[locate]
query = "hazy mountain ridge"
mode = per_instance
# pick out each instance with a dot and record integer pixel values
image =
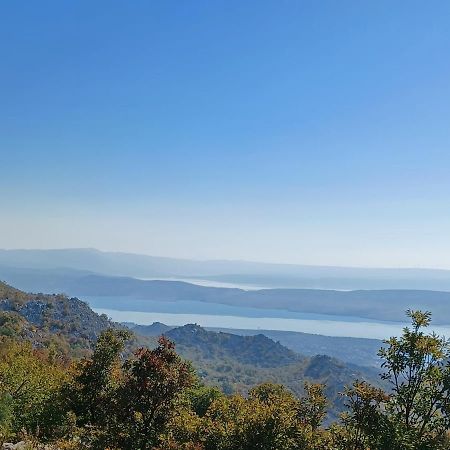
(269, 274)
(371, 304)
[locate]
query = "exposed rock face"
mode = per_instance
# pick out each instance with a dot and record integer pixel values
(43, 318)
(19, 446)
(58, 313)
(34, 312)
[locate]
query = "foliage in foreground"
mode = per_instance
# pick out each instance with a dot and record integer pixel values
(155, 401)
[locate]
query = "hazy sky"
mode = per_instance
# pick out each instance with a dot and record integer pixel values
(295, 131)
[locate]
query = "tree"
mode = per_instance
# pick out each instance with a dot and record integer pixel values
(270, 418)
(29, 381)
(154, 383)
(90, 393)
(201, 398)
(416, 412)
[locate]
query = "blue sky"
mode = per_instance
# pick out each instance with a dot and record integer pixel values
(294, 131)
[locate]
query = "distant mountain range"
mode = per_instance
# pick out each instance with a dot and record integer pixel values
(126, 293)
(242, 272)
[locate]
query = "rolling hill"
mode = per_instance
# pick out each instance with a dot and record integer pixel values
(359, 351)
(237, 363)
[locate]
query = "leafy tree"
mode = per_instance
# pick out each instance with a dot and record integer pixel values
(416, 413)
(29, 381)
(271, 418)
(201, 398)
(91, 391)
(154, 383)
(366, 424)
(313, 407)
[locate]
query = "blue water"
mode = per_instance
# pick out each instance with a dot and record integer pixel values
(145, 312)
(215, 309)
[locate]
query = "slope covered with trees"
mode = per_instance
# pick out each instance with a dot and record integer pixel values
(236, 364)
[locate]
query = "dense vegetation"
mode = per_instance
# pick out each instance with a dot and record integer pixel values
(153, 399)
(236, 364)
(360, 351)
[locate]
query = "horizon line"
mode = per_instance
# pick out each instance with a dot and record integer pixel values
(325, 266)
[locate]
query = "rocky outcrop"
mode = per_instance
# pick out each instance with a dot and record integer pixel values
(22, 445)
(67, 322)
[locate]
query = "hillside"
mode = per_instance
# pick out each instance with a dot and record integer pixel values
(155, 329)
(258, 350)
(359, 351)
(46, 320)
(237, 363)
